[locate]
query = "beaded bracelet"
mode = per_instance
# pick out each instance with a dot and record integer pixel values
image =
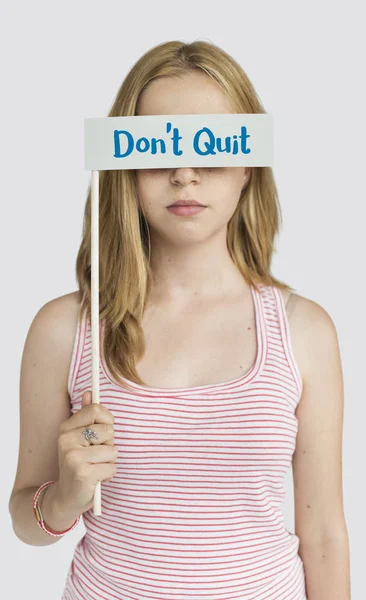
(39, 517)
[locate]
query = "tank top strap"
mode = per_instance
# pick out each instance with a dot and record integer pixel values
(80, 372)
(280, 360)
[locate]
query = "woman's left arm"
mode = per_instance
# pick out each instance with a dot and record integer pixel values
(317, 461)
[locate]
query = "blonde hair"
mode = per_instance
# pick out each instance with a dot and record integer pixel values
(125, 277)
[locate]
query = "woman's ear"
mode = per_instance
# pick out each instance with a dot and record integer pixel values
(247, 176)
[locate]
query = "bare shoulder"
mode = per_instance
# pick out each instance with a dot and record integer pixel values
(317, 460)
(55, 324)
(312, 330)
(65, 303)
(44, 398)
(63, 311)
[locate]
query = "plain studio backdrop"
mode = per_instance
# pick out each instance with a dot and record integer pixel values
(63, 62)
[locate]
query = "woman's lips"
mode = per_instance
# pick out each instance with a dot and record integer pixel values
(186, 211)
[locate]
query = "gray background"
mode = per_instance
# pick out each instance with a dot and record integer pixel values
(63, 62)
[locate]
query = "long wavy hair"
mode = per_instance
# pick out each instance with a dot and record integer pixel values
(125, 276)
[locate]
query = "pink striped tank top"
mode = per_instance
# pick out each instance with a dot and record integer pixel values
(194, 510)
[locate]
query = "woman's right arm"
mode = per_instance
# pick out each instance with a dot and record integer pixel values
(44, 405)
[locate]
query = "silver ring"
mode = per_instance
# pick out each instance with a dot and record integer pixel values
(89, 434)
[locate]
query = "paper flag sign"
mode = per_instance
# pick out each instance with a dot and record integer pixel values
(172, 141)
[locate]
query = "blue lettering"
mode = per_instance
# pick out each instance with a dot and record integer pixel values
(227, 145)
(154, 142)
(139, 144)
(244, 135)
(209, 145)
(117, 146)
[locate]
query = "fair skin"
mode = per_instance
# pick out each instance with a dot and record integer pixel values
(196, 287)
(186, 299)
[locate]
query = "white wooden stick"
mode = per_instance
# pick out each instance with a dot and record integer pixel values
(95, 308)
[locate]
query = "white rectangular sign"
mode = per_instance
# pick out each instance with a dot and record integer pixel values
(173, 141)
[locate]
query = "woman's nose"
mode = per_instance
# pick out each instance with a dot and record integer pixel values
(185, 175)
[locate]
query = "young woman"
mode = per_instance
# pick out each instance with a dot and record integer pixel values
(215, 377)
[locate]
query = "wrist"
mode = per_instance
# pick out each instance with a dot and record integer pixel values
(56, 517)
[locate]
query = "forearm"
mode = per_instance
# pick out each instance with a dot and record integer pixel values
(25, 525)
(327, 569)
